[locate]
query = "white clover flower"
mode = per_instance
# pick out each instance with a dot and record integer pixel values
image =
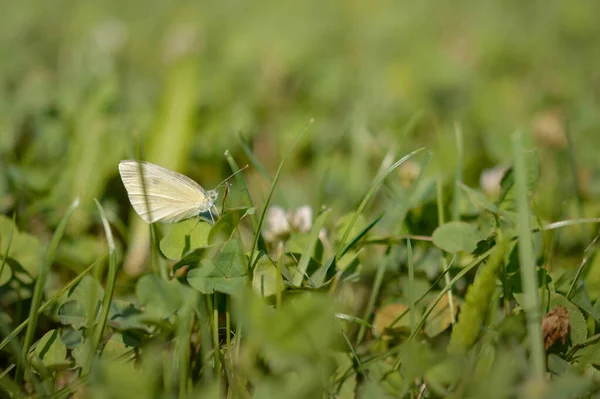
(278, 225)
(490, 180)
(302, 219)
(281, 223)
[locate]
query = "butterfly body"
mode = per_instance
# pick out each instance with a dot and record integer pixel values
(160, 195)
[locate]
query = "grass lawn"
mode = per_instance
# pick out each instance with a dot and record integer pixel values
(414, 211)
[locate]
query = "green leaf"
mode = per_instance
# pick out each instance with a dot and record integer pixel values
(507, 192)
(159, 297)
(478, 199)
(456, 237)
(181, 238)
(264, 279)
(51, 350)
(81, 353)
(226, 225)
(71, 338)
(5, 273)
(576, 319)
(73, 313)
(440, 317)
(24, 249)
(125, 316)
(116, 349)
(226, 273)
(84, 293)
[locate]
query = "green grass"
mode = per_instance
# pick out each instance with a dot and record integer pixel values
(412, 278)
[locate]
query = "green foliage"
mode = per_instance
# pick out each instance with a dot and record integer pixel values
(456, 236)
(477, 302)
(226, 273)
(332, 105)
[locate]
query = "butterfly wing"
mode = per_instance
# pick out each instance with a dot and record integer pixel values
(164, 196)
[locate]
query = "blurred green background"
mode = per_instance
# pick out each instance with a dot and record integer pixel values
(86, 84)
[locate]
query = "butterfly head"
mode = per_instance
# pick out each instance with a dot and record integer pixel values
(212, 196)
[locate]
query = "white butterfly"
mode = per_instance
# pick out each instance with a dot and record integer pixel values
(164, 196)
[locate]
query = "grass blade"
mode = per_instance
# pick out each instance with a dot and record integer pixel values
(110, 285)
(527, 261)
(257, 234)
(459, 172)
(369, 195)
(383, 264)
(253, 160)
(411, 285)
(310, 247)
(184, 335)
(440, 209)
(242, 182)
(38, 291)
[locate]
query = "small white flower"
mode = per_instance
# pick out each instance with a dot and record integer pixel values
(490, 180)
(278, 225)
(302, 219)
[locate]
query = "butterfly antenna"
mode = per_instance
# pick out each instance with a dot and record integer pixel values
(233, 174)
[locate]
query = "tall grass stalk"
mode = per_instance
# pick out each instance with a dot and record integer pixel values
(110, 287)
(441, 221)
(184, 335)
(458, 135)
(38, 290)
(411, 285)
(527, 261)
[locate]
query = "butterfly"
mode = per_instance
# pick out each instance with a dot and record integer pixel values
(163, 195)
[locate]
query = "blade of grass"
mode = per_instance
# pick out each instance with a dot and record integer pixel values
(279, 291)
(215, 335)
(374, 293)
(10, 238)
(309, 249)
(203, 316)
(110, 286)
(459, 172)
(411, 285)
(361, 234)
(527, 262)
(423, 295)
(273, 184)
(444, 290)
(253, 160)
(157, 263)
(566, 223)
(242, 182)
(584, 261)
(184, 336)
(368, 196)
(38, 290)
(440, 209)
